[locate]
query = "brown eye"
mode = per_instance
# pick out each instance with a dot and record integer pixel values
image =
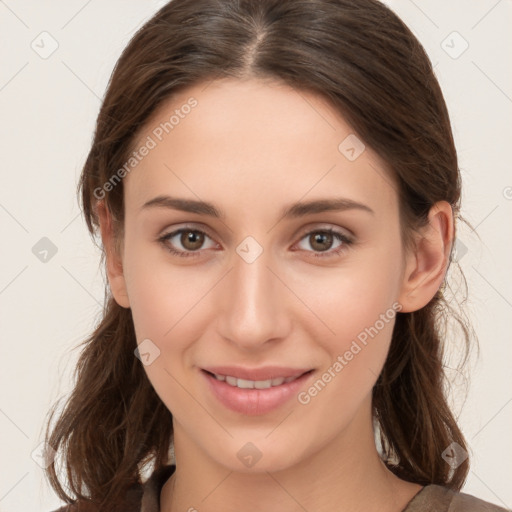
(192, 240)
(186, 242)
(321, 241)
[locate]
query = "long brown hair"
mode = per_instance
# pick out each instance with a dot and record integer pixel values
(362, 58)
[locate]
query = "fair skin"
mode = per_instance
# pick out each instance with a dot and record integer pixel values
(253, 148)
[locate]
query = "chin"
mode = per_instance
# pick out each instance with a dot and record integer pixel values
(258, 455)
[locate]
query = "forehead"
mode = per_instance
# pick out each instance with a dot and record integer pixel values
(253, 143)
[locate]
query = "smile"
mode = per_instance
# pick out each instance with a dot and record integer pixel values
(269, 388)
(253, 384)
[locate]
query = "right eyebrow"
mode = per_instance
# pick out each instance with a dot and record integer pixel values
(185, 205)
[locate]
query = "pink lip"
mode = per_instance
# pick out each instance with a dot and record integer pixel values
(253, 402)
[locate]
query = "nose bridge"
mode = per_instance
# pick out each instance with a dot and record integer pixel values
(253, 305)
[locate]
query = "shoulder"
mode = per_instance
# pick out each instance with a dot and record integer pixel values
(437, 498)
(139, 497)
(78, 506)
(132, 503)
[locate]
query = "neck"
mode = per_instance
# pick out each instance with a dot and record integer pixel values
(347, 474)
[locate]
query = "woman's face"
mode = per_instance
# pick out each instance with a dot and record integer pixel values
(289, 264)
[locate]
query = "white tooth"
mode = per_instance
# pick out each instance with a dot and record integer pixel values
(231, 380)
(262, 384)
(253, 384)
(245, 384)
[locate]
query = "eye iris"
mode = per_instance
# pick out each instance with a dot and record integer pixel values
(192, 240)
(321, 238)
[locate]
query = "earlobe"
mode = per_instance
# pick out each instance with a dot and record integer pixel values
(427, 263)
(114, 263)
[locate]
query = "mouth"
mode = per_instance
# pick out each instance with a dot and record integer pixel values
(268, 389)
(254, 384)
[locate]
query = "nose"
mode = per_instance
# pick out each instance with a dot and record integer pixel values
(253, 304)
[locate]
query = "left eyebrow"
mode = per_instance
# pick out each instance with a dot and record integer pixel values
(296, 210)
(323, 205)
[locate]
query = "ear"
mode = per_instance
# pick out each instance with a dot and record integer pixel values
(113, 256)
(427, 262)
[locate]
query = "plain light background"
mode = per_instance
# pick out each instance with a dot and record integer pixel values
(48, 108)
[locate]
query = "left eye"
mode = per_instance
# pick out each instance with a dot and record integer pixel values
(323, 240)
(192, 241)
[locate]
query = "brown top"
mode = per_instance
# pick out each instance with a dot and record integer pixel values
(431, 498)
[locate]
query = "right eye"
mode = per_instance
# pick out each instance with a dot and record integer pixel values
(191, 240)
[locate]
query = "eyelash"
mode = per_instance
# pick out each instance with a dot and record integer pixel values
(346, 242)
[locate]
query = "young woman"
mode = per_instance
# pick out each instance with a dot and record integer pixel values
(276, 187)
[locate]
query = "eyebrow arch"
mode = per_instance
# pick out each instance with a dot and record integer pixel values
(296, 210)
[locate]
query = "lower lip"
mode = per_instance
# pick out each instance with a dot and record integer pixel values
(254, 402)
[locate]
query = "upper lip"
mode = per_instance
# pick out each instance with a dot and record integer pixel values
(262, 373)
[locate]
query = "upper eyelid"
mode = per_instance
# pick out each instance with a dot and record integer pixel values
(186, 227)
(336, 230)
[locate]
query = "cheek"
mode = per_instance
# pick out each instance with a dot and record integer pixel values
(162, 295)
(171, 306)
(355, 309)
(361, 324)
(167, 306)
(353, 356)
(346, 300)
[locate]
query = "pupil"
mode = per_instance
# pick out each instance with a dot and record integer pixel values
(192, 240)
(322, 238)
